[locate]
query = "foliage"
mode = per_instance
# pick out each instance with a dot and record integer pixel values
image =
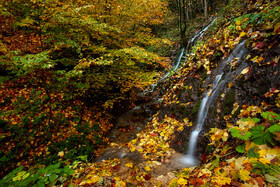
(66, 65)
(96, 63)
(244, 152)
(51, 175)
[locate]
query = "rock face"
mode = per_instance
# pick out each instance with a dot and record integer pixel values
(246, 88)
(131, 122)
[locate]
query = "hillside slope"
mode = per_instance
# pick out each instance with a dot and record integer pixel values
(239, 145)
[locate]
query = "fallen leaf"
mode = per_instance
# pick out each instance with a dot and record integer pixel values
(130, 165)
(182, 181)
(244, 175)
(245, 71)
(242, 34)
(147, 168)
(61, 154)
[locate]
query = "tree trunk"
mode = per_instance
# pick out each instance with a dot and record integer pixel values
(205, 9)
(183, 14)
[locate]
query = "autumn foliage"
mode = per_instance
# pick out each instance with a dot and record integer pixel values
(67, 65)
(64, 65)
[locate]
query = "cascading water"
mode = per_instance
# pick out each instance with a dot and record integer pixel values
(198, 36)
(126, 119)
(218, 83)
(178, 58)
(177, 62)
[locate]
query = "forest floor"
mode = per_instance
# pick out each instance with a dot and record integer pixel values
(241, 151)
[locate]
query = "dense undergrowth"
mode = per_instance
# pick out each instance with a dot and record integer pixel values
(244, 152)
(64, 67)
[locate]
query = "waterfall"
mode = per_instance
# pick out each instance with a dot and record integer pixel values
(198, 36)
(177, 62)
(239, 52)
(179, 55)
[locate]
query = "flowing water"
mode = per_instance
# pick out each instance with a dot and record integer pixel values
(137, 118)
(198, 36)
(177, 62)
(220, 80)
(180, 53)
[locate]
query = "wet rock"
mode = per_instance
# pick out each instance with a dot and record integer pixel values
(128, 124)
(120, 153)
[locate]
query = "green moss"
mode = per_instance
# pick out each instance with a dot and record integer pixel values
(203, 76)
(229, 101)
(184, 110)
(195, 109)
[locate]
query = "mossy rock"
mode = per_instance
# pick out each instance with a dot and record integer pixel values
(228, 102)
(195, 110)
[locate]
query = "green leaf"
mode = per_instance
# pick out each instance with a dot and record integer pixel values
(252, 153)
(68, 170)
(13, 173)
(53, 177)
(256, 120)
(215, 163)
(240, 134)
(83, 158)
(260, 137)
(241, 148)
(274, 128)
(272, 179)
(271, 116)
(21, 176)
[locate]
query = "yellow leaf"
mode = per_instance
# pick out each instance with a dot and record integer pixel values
(93, 179)
(173, 182)
(147, 168)
(274, 151)
(238, 28)
(61, 154)
(186, 120)
(204, 172)
(242, 34)
(244, 175)
(130, 165)
(120, 184)
(239, 163)
(225, 136)
(264, 161)
(276, 59)
(262, 153)
(132, 149)
(230, 85)
(245, 71)
(277, 27)
(236, 106)
(182, 181)
(221, 180)
(238, 22)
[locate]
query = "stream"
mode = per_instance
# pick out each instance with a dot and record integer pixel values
(133, 121)
(218, 84)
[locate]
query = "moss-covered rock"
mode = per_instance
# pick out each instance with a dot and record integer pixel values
(229, 100)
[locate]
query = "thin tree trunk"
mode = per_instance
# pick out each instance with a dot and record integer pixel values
(205, 9)
(184, 20)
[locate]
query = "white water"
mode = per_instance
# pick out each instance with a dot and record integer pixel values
(238, 52)
(198, 36)
(177, 62)
(178, 58)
